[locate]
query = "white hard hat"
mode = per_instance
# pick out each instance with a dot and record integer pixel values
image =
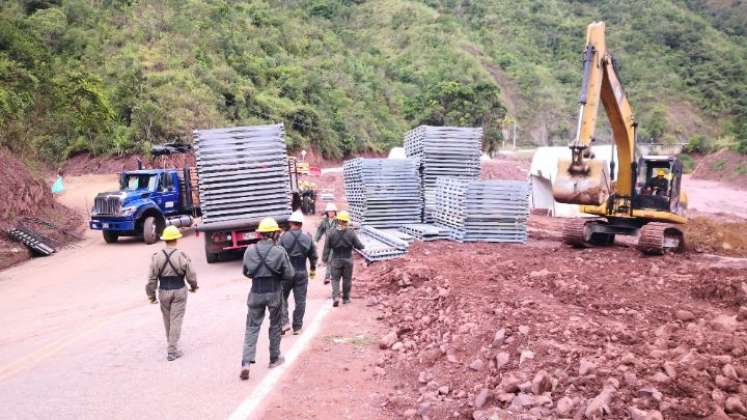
(296, 217)
(330, 207)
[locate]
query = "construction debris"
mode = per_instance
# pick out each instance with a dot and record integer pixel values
(488, 211)
(383, 192)
(380, 244)
(443, 151)
(258, 185)
(32, 239)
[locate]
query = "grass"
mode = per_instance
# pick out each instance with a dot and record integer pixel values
(741, 170)
(719, 165)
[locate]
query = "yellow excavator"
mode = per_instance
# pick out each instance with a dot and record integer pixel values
(646, 198)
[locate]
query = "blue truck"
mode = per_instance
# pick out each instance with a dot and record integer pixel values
(147, 201)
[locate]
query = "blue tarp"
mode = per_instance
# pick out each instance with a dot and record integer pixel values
(58, 187)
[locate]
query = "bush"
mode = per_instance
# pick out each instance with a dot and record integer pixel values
(698, 144)
(688, 164)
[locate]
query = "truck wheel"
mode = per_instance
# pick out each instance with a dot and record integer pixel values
(110, 237)
(150, 230)
(210, 256)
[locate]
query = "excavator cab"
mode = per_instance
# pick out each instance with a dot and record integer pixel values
(658, 183)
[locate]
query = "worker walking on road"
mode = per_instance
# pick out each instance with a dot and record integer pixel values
(268, 266)
(300, 247)
(328, 224)
(168, 270)
(338, 254)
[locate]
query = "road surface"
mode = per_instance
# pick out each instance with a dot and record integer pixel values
(80, 340)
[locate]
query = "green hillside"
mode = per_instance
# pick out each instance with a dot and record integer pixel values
(115, 76)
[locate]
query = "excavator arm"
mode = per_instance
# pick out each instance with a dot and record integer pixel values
(584, 179)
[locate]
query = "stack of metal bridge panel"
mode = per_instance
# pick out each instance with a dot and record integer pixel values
(426, 232)
(381, 244)
(485, 211)
(243, 173)
(443, 151)
(383, 192)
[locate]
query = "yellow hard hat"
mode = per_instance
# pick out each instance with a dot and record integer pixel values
(171, 233)
(268, 225)
(343, 216)
(661, 172)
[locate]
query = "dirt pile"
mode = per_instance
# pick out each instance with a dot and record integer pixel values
(724, 165)
(505, 168)
(548, 331)
(27, 199)
(708, 235)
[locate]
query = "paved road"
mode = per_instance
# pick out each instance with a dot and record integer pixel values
(79, 339)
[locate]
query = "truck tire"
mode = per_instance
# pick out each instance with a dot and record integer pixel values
(150, 230)
(210, 256)
(110, 237)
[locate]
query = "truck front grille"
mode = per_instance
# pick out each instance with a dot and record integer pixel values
(107, 206)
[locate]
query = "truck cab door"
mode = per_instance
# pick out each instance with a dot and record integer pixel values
(168, 194)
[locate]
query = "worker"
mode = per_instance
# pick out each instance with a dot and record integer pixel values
(300, 247)
(327, 224)
(268, 266)
(338, 255)
(660, 184)
(168, 270)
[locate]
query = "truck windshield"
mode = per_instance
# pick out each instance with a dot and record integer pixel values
(133, 182)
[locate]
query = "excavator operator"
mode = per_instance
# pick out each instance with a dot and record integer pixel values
(659, 185)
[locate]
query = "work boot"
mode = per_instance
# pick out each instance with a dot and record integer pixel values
(244, 373)
(326, 281)
(175, 355)
(296, 331)
(279, 361)
(346, 301)
(336, 303)
(285, 329)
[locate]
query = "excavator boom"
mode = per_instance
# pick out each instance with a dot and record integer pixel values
(584, 179)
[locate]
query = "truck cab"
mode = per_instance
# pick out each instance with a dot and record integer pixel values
(147, 201)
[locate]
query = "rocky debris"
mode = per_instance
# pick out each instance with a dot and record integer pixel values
(638, 414)
(477, 365)
(684, 316)
(541, 383)
(585, 367)
(734, 405)
(565, 406)
(724, 323)
(501, 359)
(481, 398)
(616, 348)
(388, 340)
(599, 406)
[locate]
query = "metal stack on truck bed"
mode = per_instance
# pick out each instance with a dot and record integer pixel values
(243, 175)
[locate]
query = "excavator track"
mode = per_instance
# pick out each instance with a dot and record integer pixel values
(659, 238)
(574, 232)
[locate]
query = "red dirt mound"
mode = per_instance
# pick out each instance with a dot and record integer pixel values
(547, 331)
(26, 195)
(724, 165)
(505, 168)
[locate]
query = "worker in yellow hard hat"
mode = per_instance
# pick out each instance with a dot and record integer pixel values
(338, 254)
(659, 185)
(268, 266)
(169, 268)
(300, 248)
(328, 224)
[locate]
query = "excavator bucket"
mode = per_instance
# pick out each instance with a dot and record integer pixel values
(590, 188)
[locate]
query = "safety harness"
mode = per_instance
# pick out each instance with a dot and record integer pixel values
(264, 284)
(298, 261)
(170, 282)
(341, 250)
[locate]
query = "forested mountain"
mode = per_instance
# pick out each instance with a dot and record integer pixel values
(115, 76)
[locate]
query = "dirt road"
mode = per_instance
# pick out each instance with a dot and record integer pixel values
(81, 341)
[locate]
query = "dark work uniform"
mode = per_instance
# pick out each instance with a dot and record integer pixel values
(338, 254)
(268, 266)
(300, 248)
(659, 186)
(325, 226)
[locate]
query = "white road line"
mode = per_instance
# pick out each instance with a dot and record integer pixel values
(248, 406)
